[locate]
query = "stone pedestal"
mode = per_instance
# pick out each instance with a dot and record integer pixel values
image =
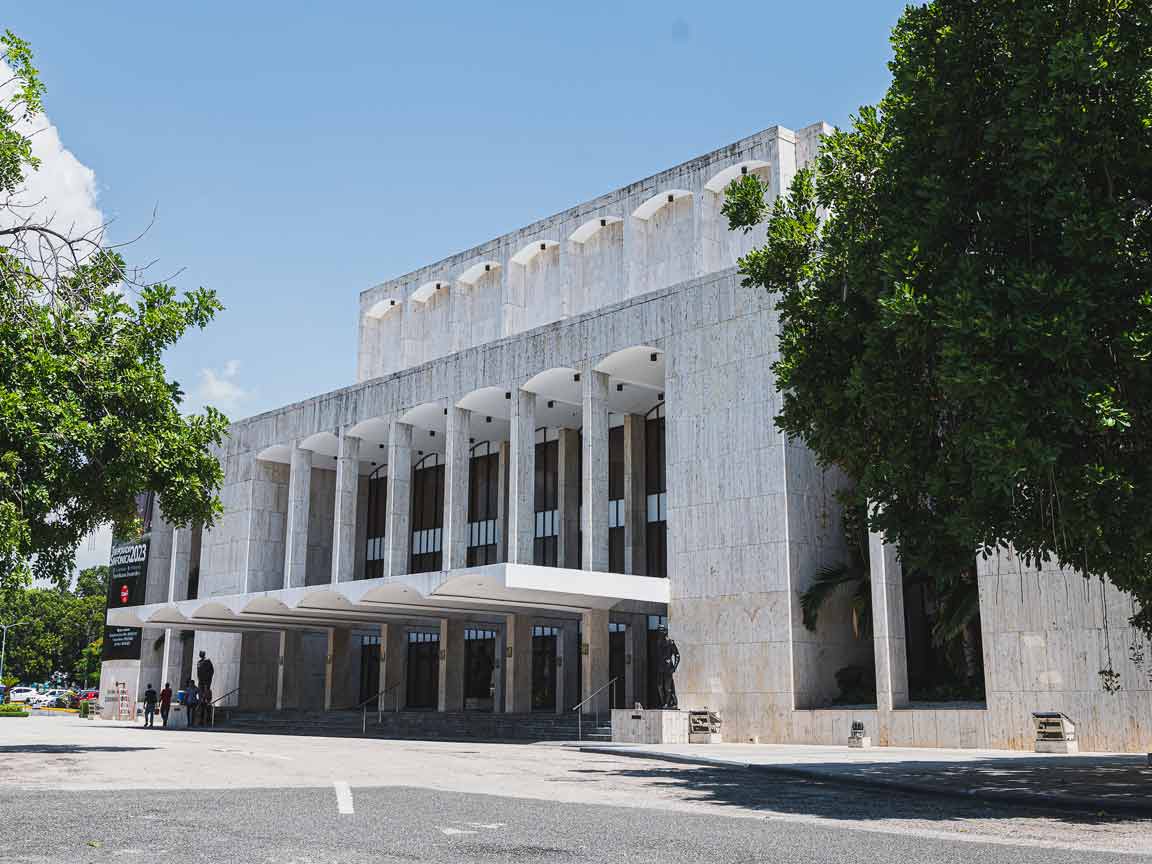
(649, 726)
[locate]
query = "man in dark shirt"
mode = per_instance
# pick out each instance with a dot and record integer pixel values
(165, 702)
(149, 708)
(204, 672)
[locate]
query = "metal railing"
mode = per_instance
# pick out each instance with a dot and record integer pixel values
(379, 697)
(212, 705)
(591, 696)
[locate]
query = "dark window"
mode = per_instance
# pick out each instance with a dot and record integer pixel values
(616, 514)
(656, 489)
(546, 545)
(427, 514)
(423, 684)
(376, 519)
(483, 504)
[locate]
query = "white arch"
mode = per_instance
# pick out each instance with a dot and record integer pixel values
(719, 182)
(526, 254)
(382, 307)
(650, 207)
(276, 453)
(474, 273)
(324, 443)
(590, 228)
(424, 293)
(640, 364)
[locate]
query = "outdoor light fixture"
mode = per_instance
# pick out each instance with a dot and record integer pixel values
(487, 419)
(381, 446)
(671, 197)
(603, 223)
(507, 394)
(471, 440)
(551, 403)
(543, 246)
(653, 356)
(391, 302)
(487, 268)
(743, 169)
(660, 397)
(619, 388)
(431, 433)
(437, 286)
(576, 377)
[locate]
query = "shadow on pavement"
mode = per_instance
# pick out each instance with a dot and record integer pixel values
(66, 748)
(980, 789)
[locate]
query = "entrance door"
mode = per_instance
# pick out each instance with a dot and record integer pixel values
(423, 670)
(479, 668)
(544, 650)
(369, 668)
(617, 664)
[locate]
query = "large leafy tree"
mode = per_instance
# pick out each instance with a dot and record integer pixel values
(88, 417)
(965, 288)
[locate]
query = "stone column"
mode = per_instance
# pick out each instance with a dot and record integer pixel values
(568, 488)
(635, 497)
(502, 501)
(522, 478)
(398, 534)
(595, 480)
(344, 523)
(456, 461)
(296, 523)
(329, 658)
(280, 670)
(451, 695)
(888, 625)
(594, 657)
(518, 665)
(382, 681)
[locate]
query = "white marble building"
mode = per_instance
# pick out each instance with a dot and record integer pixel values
(559, 442)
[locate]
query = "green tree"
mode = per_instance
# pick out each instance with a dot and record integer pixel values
(88, 417)
(965, 289)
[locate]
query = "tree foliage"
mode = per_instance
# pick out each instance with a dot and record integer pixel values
(57, 629)
(88, 417)
(965, 288)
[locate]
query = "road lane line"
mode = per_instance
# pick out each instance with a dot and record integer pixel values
(343, 797)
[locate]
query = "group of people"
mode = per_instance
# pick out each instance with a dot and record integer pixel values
(196, 698)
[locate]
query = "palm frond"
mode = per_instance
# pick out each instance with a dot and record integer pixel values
(827, 581)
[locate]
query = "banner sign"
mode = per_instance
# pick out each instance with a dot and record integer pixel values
(127, 583)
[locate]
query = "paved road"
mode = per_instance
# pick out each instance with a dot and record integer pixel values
(277, 799)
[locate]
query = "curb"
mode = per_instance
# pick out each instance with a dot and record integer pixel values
(1027, 799)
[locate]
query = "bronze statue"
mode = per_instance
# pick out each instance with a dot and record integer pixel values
(669, 660)
(204, 672)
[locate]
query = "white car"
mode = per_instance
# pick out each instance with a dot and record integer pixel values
(22, 694)
(46, 698)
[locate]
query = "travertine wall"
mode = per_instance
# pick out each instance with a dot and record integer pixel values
(321, 513)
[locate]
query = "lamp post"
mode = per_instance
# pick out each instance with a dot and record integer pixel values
(4, 649)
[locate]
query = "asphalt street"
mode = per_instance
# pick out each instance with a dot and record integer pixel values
(404, 824)
(91, 791)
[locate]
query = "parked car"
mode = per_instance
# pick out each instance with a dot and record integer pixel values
(48, 699)
(22, 694)
(92, 695)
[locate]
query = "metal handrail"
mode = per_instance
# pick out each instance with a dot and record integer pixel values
(379, 697)
(589, 698)
(212, 706)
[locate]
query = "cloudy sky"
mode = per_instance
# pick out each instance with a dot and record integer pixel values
(296, 154)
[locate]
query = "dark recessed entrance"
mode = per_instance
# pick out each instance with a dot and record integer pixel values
(423, 669)
(545, 649)
(479, 669)
(369, 668)
(618, 663)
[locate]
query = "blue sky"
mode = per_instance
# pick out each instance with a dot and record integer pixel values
(299, 153)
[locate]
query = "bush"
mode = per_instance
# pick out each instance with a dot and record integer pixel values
(12, 709)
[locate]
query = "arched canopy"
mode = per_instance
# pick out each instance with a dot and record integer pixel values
(476, 272)
(527, 253)
(654, 204)
(640, 364)
(276, 453)
(424, 293)
(719, 182)
(323, 443)
(382, 307)
(592, 227)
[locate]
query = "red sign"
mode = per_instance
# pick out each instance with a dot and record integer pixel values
(123, 593)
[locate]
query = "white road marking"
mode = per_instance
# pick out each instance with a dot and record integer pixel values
(455, 831)
(343, 797)
(490, 826)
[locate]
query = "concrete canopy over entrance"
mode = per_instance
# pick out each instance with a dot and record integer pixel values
(494, 588)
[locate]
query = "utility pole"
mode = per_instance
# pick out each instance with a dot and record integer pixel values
(4, 649)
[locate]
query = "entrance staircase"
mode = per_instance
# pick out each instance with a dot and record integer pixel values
(447, 726)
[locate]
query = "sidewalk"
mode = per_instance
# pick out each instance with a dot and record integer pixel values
(1108, 782)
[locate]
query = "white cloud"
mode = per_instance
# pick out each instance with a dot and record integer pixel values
(220, 389)
(62, 191)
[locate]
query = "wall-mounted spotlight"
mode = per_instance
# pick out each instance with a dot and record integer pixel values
(653, 356)
(391, 302)
(603, 223)
(660, 397)
(619, 388)
(487, 268)
(437, 286)
(487, 419)
(671, 198)
(551, 403)
(507, 394)
(381, 446)
(743, 169)
(576, 377)
(471, 440)
(543, 246)
(431, 433)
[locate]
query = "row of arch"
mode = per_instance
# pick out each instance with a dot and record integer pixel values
(583, 234)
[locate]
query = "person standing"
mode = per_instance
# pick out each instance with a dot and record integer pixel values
(204, 672)
(150, 708)
(165, 703)
(191, 702)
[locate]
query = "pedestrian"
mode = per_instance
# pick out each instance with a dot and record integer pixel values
(165, 703)
(191, 702)
(205, 706)
(149, 708)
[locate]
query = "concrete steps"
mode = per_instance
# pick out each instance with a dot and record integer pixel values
(414, 725)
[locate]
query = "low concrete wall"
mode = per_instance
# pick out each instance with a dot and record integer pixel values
(632, 726)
